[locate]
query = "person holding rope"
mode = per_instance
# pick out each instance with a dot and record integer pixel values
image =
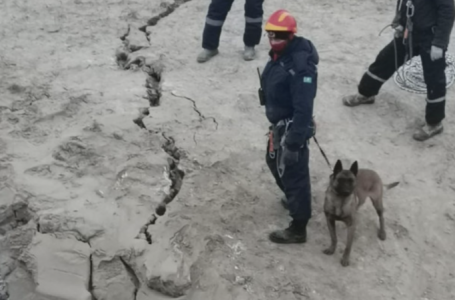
(422, 27)
(288, 89)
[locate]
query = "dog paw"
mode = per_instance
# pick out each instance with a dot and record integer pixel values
(329, 251)
(382, 235)
(344, 261)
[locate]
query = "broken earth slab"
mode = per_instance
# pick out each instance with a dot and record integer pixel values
(165, 266)
(12, 246)
(60, 267)
(79, 224)
(167, 271)
(111, 280)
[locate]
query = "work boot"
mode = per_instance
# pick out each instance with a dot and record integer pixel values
(427, 131)
(206, 54)
(357, 99)
(284, 202)
(248, 53)
(294, 234)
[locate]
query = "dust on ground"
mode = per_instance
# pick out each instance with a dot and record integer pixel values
(80, 180)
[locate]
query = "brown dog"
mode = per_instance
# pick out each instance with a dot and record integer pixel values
(347, 191)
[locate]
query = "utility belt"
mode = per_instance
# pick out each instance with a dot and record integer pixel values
(277, 136)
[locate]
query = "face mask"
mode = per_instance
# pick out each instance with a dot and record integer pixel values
(279, 40)
(278, 45)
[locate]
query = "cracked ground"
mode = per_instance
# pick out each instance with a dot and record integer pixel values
(129, 171)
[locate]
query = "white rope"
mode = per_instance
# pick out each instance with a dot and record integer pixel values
(409, 77)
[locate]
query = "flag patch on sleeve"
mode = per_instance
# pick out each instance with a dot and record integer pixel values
(307, 80)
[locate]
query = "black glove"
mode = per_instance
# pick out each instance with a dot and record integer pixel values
(290, 157)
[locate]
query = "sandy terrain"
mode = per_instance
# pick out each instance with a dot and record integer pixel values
(80, 181)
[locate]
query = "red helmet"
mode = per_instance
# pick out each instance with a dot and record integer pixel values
(281, 20)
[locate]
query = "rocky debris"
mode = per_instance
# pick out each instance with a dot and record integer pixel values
(59, 267)
(132, 41)
(153, 81)
(135, 39)
(4, 294)
(167, 272)
(13, 209)
(143, 112)
(12, 245)
(111, 280)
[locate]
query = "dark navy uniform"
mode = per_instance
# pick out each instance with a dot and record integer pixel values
(433, 21)
(217, 13)
(290, 84)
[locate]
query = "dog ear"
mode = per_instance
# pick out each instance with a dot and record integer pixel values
(355, 168)
(338, 167)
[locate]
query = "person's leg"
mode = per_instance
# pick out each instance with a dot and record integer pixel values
(272, 164)
(435, 80)
(389, 59)
(297, 187)
(217, 13)
(253, 27)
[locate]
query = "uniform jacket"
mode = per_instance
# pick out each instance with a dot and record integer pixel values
(436, 15)
(290, 85)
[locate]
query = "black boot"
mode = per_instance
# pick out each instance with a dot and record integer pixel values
(294, 234)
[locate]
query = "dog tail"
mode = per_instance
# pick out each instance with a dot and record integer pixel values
(391, 185)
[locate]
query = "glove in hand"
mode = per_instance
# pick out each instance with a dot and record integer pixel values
(398, 31)
(436, 53)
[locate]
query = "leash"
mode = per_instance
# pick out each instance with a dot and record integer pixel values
(273, 156)
(322, 152)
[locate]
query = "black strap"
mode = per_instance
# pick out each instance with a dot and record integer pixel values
(322, 152)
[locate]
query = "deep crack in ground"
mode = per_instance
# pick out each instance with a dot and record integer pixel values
(176, 176)
(90, 280)
(133, 276)
(169, 10)
(153, 84)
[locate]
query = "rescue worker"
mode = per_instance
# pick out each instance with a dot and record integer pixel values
(422, 27)
(289, 84)
(217, 12)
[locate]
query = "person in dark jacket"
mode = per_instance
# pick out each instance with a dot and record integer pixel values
(289, 83)
(217, 13)
(429, 36)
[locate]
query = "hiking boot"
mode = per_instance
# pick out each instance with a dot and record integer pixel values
(294, 234)
(206, 54)
(427, 131)
(248, 53)
(284, 202)
(357, 99)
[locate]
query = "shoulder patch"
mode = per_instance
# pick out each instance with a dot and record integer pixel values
(307, 79)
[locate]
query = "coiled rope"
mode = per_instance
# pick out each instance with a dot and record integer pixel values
(409, 77)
